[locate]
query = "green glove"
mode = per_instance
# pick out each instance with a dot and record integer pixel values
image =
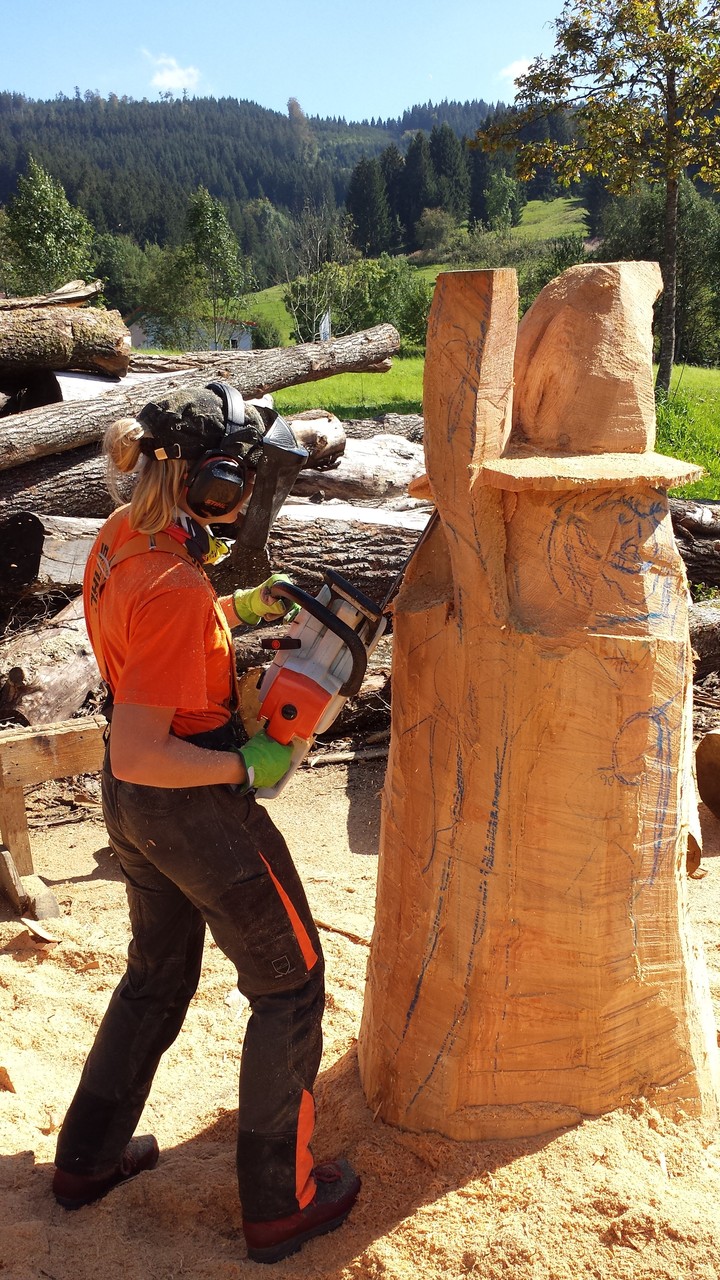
(255, 603)
(266, 761)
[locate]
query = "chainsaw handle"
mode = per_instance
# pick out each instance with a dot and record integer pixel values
(358, 652)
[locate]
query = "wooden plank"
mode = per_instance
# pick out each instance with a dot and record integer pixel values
(10, 883)
(32, 755)
(13, 826)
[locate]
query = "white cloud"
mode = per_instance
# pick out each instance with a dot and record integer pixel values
(169, 75)
(515, 69)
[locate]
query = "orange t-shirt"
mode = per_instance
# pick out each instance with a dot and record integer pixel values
(164, 640)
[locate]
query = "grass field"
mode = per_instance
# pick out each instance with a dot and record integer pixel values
(689, 426)
(360, 395)
(549, 219)
(269, 304)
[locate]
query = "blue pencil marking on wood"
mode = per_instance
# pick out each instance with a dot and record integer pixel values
(481, 911)
(573, 557)
(659, 720)
(446, 1044)
(431, 948)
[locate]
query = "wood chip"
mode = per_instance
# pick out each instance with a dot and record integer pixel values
(38, 930)
(6, 1083)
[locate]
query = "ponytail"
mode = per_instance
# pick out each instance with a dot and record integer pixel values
(159, 485)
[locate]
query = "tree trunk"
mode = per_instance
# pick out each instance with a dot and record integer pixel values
(369, 471)
(66, 484)
(669, 270)
(74, 484)
(704, 622)
(532, 961)
(61, 428)
(64, 338)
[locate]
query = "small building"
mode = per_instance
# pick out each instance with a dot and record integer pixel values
(197, 335)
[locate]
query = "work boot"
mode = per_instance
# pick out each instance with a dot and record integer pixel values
(73, 1190)
(337, 1188)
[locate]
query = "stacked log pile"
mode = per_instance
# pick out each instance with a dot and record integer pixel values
(53, 493)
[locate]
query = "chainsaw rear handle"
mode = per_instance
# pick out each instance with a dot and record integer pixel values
(358, 652)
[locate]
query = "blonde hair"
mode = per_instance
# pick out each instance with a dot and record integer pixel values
(159, 485)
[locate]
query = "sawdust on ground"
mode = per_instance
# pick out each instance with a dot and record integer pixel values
(631, 1194)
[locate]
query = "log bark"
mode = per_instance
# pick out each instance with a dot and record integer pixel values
(697, 532)
(48, 673)
(532, 960)
(74, 484)
(75, 293)
(61, 428)
(368, 546)
(64, 338)
(369, 471)
(705, 638)
(143, 362)
(65, 484)
(322, 434)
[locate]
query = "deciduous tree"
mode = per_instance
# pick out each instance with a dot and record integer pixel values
(224, 274)
(46, 241)
(642, 78)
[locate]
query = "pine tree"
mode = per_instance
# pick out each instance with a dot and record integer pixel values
(451, 176)
(367, 205)
(417, 188)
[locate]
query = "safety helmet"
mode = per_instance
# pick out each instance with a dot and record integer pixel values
(222, 437)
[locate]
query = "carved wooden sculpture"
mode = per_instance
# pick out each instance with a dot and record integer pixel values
(531, 962)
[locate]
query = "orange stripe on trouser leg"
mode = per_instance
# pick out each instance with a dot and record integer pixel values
(305, 1185)
(308, 951)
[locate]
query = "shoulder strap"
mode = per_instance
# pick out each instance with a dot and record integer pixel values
(140, 544)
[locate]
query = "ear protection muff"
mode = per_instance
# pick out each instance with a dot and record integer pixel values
(215, 484)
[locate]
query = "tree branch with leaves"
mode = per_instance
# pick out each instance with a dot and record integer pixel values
(641, 79)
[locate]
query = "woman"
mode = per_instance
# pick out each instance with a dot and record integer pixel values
(194, 846)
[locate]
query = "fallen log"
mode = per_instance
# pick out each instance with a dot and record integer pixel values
(322, 434)
(62, 428)
(705, 638)
(50, 552)
(47, 673)
(367, 545)
(65, 484)
(74, 484)
(144, 362)
(369, 470)
(82, 338)
(697, 533)
(73, 294)
(409, 425)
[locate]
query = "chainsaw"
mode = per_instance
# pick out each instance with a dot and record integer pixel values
(321, 660)
(319, 663)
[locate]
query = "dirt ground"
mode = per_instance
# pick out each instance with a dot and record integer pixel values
(631, 1194)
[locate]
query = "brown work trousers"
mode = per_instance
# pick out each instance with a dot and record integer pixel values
(194, 857)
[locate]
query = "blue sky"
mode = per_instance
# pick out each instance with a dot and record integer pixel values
(370, 58)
